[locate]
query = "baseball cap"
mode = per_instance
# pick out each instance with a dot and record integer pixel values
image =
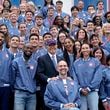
(51, 42)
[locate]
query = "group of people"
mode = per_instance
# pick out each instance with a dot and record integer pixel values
(50, 60)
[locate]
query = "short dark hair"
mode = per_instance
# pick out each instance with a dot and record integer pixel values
(99, 2)
(30, 12)
(59, 1)
(74, 7)
(33, 35)
(47, 33)
(6, 9)
(106, 14)
(15, 36)
(90, 6)
(93, 35)
(90, 21)
(3, 25)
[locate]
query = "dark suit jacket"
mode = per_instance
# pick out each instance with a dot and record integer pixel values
(46, 69)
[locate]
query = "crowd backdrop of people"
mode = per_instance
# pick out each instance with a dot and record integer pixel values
(50, 60)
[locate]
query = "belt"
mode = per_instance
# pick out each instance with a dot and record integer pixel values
(19, 90)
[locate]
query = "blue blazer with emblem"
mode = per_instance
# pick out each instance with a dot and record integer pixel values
(55, 93)
(88, 73)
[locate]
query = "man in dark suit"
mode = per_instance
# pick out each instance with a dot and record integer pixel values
(46, 69)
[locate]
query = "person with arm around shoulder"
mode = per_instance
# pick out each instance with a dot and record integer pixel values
(62, 92)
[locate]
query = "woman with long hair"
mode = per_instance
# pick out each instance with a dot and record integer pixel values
(59, 21)
(88, 73)
(67, 22)
(4, 29)
(97, 21)
(78, 48)
(95, 41)
(62, 35)
(82, 36)
(7, 4)
(99, 54)
(69, 51)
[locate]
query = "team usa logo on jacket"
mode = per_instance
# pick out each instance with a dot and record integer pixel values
(6, 56)
(91, 64)
(31, 67)
(72, 83)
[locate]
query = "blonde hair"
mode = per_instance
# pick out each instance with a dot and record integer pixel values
(106, 28)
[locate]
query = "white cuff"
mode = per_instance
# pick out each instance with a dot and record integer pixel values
(48, 79)
(61, 105)
(76, 105)
(80, 89)
(104, 100)
(88, 89)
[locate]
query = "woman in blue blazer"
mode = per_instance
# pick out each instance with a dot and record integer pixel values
(87, 70)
